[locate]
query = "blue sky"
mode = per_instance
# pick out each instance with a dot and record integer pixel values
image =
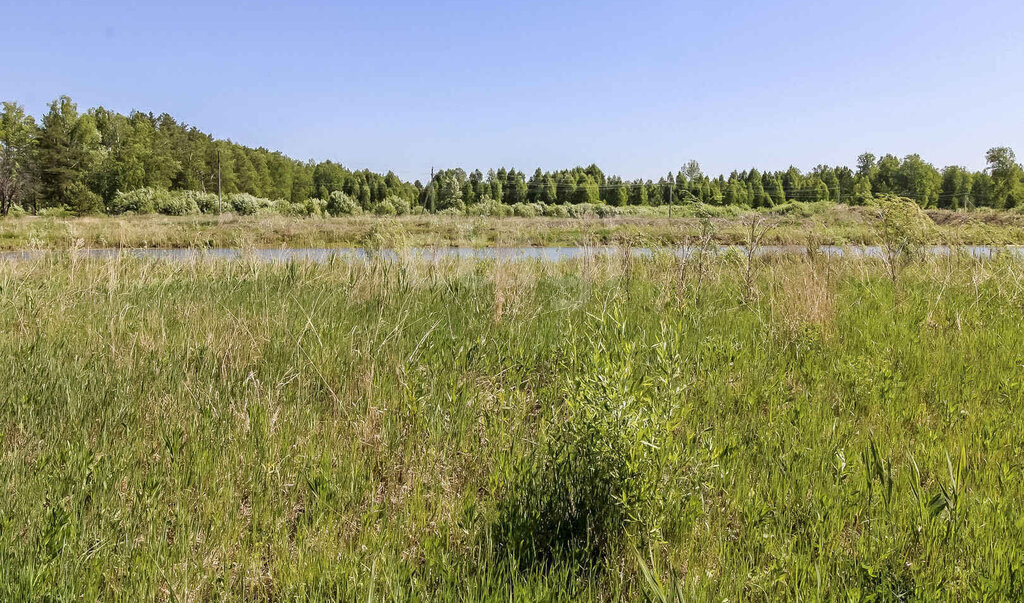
(636, 87)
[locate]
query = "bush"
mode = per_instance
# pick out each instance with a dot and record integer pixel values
(556, 211)
(206, 202)
(384, 208)
(577, 211)
(528, 210)
(245, 204)
(383, 235)
(84, 201)
(175, 204)
(598, 477)
(283, 208)
(148, 200)
(140, 201)
(303, 209)
(314, 207)
(340, 204)
(53, 212)
(488, 207)
(903, 229)
(401, 205)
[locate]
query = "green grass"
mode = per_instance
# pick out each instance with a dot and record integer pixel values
(791, 224)
(604, 429)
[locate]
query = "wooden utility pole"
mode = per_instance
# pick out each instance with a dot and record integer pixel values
(433, 191)
(220, 200)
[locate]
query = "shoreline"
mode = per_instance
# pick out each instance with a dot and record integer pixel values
(837, 225)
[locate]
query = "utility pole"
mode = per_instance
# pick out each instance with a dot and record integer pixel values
(670, 201)
(433, 192)
(220, 200)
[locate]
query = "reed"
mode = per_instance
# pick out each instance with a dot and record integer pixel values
(464, 430)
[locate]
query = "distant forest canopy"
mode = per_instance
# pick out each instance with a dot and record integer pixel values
(82, 161)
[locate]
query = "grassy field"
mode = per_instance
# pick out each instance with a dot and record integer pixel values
(608, 428)
(823, 223)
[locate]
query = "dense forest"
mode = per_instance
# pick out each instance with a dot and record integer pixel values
(90, 162)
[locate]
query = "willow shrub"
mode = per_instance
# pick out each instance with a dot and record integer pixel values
(340, 204)
(595, 482)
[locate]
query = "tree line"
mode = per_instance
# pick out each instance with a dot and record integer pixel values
(80, 161)
(1000, 185)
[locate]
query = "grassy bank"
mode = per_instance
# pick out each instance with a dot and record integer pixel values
(822, 223)
(606, 428)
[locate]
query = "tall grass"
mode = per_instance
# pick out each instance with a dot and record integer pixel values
(482, 430)
(829, 224)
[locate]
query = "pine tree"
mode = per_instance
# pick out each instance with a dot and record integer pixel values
(778, 194)
(862, 190)
(68, 150)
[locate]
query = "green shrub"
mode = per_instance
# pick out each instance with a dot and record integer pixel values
(597, 479)
(902, 227)
(556, 211)
(139, 201)
(206, 202)
(245, 204)
(488, 207)
(383, 235)
(340, 204)
(303, 209)
(528, 210)
(174, 204)
(314, 207)
(401, 205)
(577, 211)
(384, 208)
(54, 212)
(282, 207)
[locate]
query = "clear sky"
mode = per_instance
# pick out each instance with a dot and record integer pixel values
(636, 87)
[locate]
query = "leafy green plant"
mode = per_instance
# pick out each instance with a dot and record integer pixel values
(384, 208)
(597, 479)
(208, 203)
(383, 235)
(175, 204)
(902, 229)
(140, 201)
(340, 204)
(400, 205)
(245, 204)
(488, 207)
(556, 211)
(527, 210)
